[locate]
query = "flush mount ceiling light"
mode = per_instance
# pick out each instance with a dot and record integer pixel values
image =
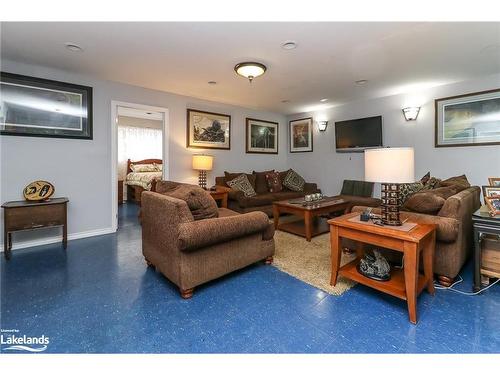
(73, 47)
(212, 82)
(323, 100)
(361, 82)
(289, 44)
(250, 70)
(285, 101)
(411, 113)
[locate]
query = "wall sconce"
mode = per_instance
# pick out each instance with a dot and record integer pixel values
(322, 125)
(411, 113)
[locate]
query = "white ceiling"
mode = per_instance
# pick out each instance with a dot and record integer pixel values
(139, 113)
(182, 57)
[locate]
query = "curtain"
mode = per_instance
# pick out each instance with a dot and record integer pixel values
(137, 143)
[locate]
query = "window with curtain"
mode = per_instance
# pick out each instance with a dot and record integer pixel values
(137, 143)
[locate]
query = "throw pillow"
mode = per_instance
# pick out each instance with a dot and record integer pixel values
(231, 176)
(241, 183)
(432, 183)
(261, 181)
(273, 182)
(424, 202)
(406, 190)
(200, 203)
(294, 181)
(457, 180)
(426, 178)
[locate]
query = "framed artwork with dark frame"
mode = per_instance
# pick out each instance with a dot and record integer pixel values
(36, 107)
(261, 136)
(468, 120)
(301, 135)
(208, 130)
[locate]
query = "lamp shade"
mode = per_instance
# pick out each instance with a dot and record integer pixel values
(390, 165)
(202, 162)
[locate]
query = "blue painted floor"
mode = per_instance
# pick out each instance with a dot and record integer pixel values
(99, 297)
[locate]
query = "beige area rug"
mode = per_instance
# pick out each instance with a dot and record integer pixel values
(309, 262)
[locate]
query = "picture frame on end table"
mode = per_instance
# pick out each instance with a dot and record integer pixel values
(262, 137)
(301, 135)
(493, 205)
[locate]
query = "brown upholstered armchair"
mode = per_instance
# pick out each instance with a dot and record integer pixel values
(189, 252)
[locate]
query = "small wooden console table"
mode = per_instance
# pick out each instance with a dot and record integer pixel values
(406, 284)
(26, 215)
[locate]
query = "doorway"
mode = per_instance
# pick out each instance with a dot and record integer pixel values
(139, 156)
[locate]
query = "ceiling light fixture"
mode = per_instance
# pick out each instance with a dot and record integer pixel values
(73, 47)
(323, 100)
(361, 82)
(250, 69)
(285, 101)
(212, 82)
(289, 44)
(411, 113)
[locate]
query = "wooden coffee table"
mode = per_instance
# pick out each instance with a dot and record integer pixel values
(310, 223)
(407, 283)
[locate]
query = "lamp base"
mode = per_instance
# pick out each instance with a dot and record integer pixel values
(390, 204)
(202, 179)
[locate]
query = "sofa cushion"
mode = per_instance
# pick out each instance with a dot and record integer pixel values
(283, 195)
(256, 201)
(432, 183)
(294, 181)
(241, 183)
(358, 188)
(425, 178)
(457, 180)
(406, 190)
(424, 202)
(261, 182)
(200, 203)
(231, 176)
(273, 182)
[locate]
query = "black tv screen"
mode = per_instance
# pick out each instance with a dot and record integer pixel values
(356, 135)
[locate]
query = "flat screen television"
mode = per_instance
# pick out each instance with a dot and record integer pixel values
(359, 134)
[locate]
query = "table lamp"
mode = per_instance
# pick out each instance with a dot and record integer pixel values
(202, 163)
(391, 167)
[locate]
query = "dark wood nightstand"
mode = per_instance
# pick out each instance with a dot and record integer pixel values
(27, 215)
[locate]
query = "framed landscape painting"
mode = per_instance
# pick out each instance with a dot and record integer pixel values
(261, 136)
(468, 120)
(208, 130)
(301, 135)
(36, 107)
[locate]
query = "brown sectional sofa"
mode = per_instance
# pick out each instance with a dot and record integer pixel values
(454, 231)
(263, 201)
(191, 252)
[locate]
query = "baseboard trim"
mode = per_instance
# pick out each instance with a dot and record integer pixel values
(55, 239)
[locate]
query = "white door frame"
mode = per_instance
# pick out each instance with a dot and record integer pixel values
(114, 150)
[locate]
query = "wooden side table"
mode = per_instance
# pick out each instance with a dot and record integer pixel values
(485, 262)
(120, 191)
(27, 215)
(221, 195)
(406, 284)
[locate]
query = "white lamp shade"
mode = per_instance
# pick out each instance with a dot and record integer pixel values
(390, 165)
(203, 162)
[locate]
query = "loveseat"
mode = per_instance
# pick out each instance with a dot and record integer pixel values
(263, 200)
(454, 225)
(191, 252)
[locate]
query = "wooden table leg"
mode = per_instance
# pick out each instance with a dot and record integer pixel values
(428, 254)
(336, 253)
(477, 260)
(276, 216)
(308, 225)
(7, 244)
(411, 278)
(224, 201)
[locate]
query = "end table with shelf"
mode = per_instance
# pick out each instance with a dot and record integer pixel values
(220, 194)
(486, 231)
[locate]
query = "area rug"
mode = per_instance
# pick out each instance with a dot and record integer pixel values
(309, 262)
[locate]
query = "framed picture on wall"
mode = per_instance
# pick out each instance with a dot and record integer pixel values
(208, 130)
(301, 135)
(36, 107)
(468, 120)
(261, 136)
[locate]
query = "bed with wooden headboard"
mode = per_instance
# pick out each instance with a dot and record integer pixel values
(142, 175)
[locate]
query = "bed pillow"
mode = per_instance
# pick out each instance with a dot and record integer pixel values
(139, 168)
(241, 183)
(159, 167)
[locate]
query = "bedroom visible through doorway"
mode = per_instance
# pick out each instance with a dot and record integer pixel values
(139, 158)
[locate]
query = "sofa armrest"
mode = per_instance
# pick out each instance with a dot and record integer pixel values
(311, 187)
(203, 233)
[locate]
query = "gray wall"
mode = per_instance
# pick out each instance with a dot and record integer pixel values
(81, 170)
(329, 168)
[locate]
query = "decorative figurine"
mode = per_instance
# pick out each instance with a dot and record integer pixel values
(375, 267)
